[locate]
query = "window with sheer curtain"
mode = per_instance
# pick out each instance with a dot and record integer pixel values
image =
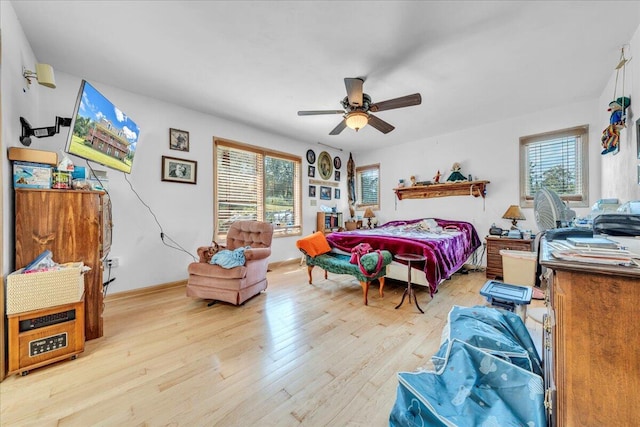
(558, 161)
(368, 186)
(256, 184)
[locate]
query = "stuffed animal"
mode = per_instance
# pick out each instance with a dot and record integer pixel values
(611, 135)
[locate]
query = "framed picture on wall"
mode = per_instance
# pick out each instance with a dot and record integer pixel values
(178, 139)
(336, 193)
(311, 172)
(337, 177)
(312, 191)
(179, 170)
(325, 193)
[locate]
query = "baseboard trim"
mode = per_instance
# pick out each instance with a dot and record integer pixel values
(144, 291)
(273, 265)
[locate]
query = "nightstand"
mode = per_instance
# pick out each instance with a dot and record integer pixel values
(494, 245)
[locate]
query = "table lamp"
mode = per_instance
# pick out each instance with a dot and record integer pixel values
(514, 214)
(368, 213)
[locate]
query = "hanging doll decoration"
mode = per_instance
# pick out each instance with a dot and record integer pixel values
(618, 107)
(617, 122)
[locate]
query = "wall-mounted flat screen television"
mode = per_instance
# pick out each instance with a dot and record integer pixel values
(101, 132)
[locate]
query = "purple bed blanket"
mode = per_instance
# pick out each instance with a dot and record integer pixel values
(445, 252)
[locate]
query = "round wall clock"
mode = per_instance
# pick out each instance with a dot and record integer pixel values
(324, 165)
(311, 156)
(337, 163)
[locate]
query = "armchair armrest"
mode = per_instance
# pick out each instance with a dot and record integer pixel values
(256, 253)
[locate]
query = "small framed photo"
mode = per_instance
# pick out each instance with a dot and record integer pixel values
(325, 193)
(311, 172)
(179, 170)
(336, 193)
(178, 140)
(312, 191)
(337, 163)
(337, 177)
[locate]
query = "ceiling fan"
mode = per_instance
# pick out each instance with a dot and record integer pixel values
(358, 108)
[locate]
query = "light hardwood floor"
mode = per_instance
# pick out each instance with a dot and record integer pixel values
(297, 354)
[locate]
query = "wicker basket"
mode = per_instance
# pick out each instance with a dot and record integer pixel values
(34, 291)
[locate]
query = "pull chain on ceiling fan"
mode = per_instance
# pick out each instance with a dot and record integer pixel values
(358, 108)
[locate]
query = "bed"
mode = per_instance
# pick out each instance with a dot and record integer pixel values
(446, 244)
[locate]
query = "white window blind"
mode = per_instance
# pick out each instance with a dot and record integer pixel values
(256, 184)
(557, 161)
(368, 186)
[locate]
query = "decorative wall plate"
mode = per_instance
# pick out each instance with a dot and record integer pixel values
(311, 156)
(325, 168)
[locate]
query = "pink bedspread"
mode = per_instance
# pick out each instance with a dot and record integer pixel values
(445, 252)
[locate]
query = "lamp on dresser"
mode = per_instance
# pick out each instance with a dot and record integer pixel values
(514, 214)
(368, 213)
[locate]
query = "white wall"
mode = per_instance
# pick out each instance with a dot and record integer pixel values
(184, 211)
(620, 171)
(488, 152)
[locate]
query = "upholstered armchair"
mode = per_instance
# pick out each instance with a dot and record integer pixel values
(238, 284)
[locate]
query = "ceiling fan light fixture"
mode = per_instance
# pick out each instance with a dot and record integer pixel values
(357, 120)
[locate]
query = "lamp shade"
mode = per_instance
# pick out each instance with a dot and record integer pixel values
(368, 213)
(514, 214)
(357, 120)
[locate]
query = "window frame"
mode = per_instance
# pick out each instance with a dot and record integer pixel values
(281, 231)
(581, 198)
(359, 170)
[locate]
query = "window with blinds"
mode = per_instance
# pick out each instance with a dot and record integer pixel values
(558, 161)
(256, 184)
(368, 186)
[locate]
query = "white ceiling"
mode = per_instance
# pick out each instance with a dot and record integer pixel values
(260, 62)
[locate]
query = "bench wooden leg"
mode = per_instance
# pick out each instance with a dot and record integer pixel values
(365, 291)
(381, 280)
(309, 268)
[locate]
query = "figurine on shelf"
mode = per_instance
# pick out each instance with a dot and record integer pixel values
(436, 179)
(413, 180)
(456, 175)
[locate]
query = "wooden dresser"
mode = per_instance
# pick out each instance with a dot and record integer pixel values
(74, 226)
(592, 343)
(494, 245)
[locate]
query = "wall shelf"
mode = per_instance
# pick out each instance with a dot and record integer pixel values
(460, 188)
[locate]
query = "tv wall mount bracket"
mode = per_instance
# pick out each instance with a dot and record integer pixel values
(28, 131)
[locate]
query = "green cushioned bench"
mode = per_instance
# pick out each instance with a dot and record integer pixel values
(339, 264)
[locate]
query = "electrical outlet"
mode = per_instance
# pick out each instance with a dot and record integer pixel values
(112, 262)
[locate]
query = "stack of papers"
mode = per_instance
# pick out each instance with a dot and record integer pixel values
(592, 254)
(592, 242)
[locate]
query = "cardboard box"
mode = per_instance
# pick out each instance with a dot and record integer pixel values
(33, 291)
(31, 175)
(33, 156)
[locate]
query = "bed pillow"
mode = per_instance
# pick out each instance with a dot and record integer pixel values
(314, 244)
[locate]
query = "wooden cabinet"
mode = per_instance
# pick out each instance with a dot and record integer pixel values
(74, 226)
(328, 222)
(592, 340)
(494, 245)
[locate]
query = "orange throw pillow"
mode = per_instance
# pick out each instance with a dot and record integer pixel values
(314, 244)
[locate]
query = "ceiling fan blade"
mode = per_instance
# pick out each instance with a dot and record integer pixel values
(317, 112)
(380, 124)
(354, 90)
(403, 101)
(341, 126)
